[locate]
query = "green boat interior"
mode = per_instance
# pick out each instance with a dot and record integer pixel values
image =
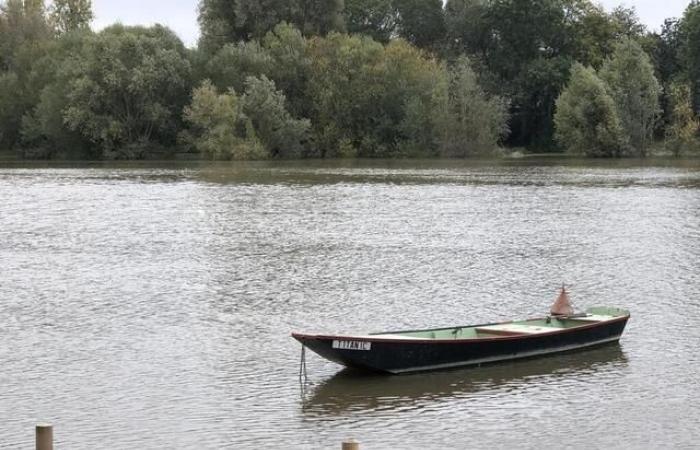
(515, 328)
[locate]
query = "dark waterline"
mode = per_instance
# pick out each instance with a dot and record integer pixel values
(149, 305)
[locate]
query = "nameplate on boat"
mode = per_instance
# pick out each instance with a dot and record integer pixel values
(352, 345)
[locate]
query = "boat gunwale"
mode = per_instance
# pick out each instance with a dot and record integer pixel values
(379, 339)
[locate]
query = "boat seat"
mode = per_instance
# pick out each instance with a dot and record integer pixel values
(593, 318)
(512, 329)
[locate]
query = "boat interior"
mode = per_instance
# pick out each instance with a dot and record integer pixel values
(515, 328)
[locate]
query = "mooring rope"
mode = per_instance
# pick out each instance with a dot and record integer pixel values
(302, 364)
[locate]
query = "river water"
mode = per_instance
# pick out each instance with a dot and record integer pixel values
(150, 306)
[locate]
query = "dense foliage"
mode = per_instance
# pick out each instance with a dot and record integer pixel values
(629, 77)
(689, 49)
(220, 131)
(128, 90)
(684, 124)
(231, 21)
(346, 78)
(469, 121)
(587, 119)
(628, 83)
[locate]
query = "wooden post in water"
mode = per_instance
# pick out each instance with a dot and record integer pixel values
(351, 444)
(44, 437)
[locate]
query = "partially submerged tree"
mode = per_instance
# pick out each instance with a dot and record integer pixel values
(11, 110)
(370, 100)
(681, 132)
(410, 104)
(586, 117)
(219, 130)
(282, 135)
(253, 126)
(45, 133)
(24, 38)
(469, 121)
(129, 90)
(346, 91)
(630, 77)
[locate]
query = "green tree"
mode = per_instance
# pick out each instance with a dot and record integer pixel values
(593, 31)
(467, 28)
(291, 65)
(421, 22)
(220, 130)
(218, 24)
(318, 17)
(44, 131)
(629, 75)
(264, 105)
(312, 17)
(230, 21)
(11, 110)
(524, 50)
(410, 101)
(129, 91)
(22, 25)
(375, 18)
(627, 23)
(282, 57)
(690, 49)
(469, 122)
(71, 15)
(344, 86)
(370, 100)
(234, 63)
(260, 16)
(681, 132)
(254, 126)
(524, 31)
(527, 46)
(535, 93)
(665, 55)
(24, 38)
(586, 117)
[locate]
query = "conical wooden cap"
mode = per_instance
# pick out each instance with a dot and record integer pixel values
(562, 307)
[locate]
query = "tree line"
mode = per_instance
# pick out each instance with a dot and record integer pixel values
(352, 78)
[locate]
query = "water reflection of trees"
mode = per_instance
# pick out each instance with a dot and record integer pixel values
(350, 390)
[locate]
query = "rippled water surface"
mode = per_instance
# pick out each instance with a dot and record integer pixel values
(150, 307)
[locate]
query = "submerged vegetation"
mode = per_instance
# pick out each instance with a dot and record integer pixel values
(352, 78)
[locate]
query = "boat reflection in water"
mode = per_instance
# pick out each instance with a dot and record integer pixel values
(350, 390)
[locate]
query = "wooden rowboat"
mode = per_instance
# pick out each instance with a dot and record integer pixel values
(442, 348)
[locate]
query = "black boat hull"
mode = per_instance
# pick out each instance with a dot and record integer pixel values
(404, 356)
